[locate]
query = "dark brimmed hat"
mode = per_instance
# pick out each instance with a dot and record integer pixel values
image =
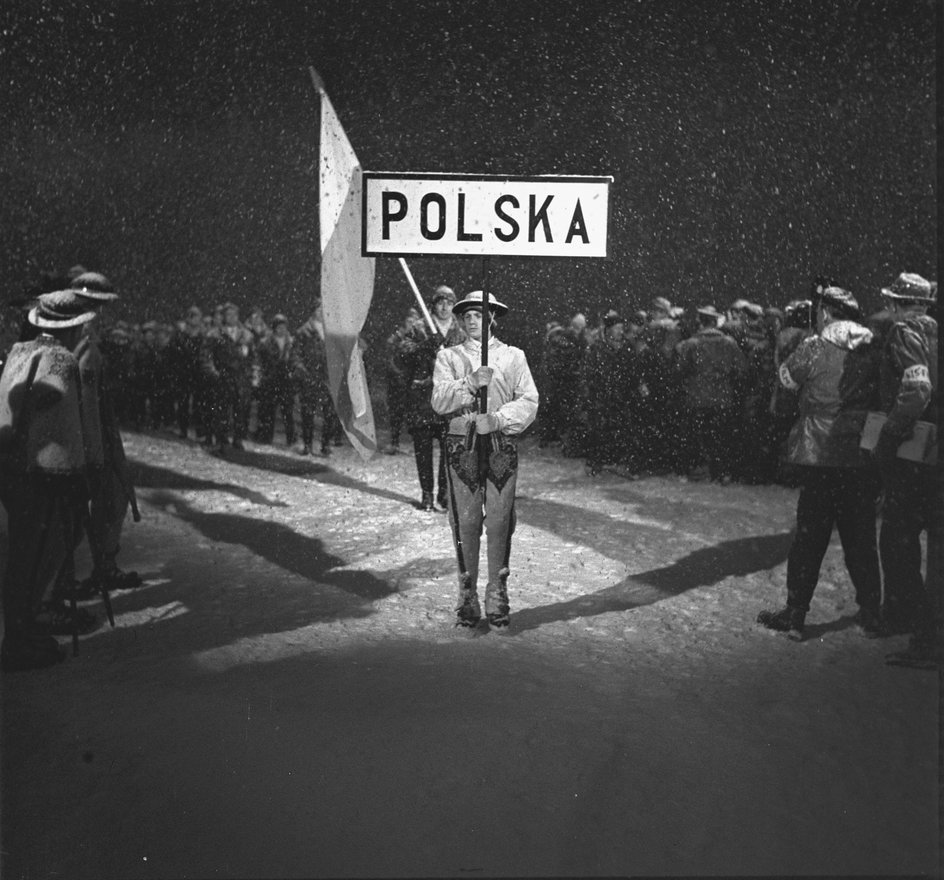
(60, 309)
(279, 319)
(840, 300)
(474, 300)
(443, 292)
(93, 285)
(910, 287)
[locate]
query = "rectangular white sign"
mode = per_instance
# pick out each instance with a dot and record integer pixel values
(484, 215)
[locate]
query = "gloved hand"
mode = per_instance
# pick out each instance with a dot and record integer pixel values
(486, 423)
(481, 377)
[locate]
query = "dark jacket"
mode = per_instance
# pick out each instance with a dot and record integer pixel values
(836, 376)
(419, 352)
(909, 379)
(711, 367)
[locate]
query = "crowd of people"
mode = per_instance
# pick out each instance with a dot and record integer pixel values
(702, 393)
(672, 390)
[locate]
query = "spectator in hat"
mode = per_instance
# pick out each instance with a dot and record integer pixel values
(606, 385)
(914, 490)
(310, 373)
(564, 350)
(276, 386)
(227, 361)
(482, 453)
(754, 431)
(798, 325)
(111, 490)
(396, 374)
(186, 346)
(42, 482)
(835, 374)
(710, 369)
(426, 427)
(447, 325)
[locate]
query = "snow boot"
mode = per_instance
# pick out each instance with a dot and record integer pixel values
(426, 505)
(468, 610)
(788, 620)
(496, 601)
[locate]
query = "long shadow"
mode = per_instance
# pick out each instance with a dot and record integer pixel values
(709, 565)
(306, 469)
(608, 535)
(150, 476)
(280, 545)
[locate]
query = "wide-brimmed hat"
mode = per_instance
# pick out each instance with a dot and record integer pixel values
(279, 319)
(660, 303)
(739, 305)
(60, 309)
(474, 300)
(841, 300)
(912, 288)
(444, 291)
(755, 310)
(93, 285)
(709, 311)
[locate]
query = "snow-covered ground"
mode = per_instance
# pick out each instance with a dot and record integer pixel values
(286, 695)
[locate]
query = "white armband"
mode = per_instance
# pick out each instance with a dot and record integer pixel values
(786, 379)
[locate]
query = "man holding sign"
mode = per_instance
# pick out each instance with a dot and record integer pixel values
(482, 453)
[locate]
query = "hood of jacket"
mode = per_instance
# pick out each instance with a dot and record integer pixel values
(846, 334)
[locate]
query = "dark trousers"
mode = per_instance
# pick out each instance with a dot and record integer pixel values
(397, 398)
(708, 441)
(844, 498)
(423, 438)
(309, 402)
(44, 524)
(914, 502)
(276, 395)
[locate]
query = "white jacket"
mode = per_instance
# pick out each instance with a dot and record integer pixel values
(512, 394)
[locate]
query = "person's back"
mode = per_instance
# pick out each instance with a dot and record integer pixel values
(837, 372)
(709, 365)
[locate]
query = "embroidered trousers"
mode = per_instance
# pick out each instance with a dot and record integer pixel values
(482, 491)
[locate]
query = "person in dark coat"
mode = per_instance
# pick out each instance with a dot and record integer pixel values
(835, 374)
(310, 373)
(426, 427)
(185, 347)
(914, 490)
(397, 380)
(710, 369)
(606, 387)
(755, 429)
(564, 349)
(227, 361)
(276, 386)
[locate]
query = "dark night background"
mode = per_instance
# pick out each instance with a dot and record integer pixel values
(754, 144)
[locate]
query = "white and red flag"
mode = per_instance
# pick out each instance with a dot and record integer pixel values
(347, 278)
